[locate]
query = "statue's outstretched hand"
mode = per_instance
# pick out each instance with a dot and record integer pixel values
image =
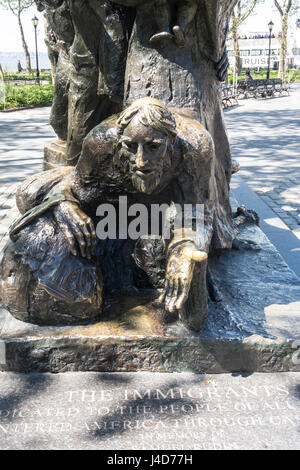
(179, 274)
(78, 229)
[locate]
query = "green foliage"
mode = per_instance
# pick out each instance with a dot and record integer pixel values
(292, 75)
(23, 76)
(27, 95)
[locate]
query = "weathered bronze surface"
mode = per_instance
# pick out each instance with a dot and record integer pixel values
(87, 43)
(253, 326)
(56, 271)
(137, 113)
(110, 53)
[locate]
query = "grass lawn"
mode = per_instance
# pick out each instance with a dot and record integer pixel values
(26, 95)
(292, 75)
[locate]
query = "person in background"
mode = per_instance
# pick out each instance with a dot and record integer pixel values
(20, 69)
(248, 75)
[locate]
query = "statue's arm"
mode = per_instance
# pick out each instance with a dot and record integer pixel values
(78, 227)
(61, 191)
(197, 182)
(35, 190)
(191, 243)
(52, 192)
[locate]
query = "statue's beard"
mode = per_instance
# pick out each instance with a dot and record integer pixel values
(147, 185)
(143, 185)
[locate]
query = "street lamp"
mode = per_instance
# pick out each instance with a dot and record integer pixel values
(35, 21)
(270, 25)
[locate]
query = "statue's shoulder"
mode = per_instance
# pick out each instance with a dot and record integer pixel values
(193, 136)
(100, 139)
(105, 131)
(98, 148)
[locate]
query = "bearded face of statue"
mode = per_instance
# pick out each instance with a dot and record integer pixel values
(145, 150)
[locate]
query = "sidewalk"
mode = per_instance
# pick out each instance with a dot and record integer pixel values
(265, 140)
(148, 411)
(23, 135)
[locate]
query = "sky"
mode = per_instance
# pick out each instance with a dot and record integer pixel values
(10, 40)
(10, 36)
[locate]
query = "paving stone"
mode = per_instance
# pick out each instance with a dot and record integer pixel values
(106, 411)
(272, 204)
(287, 219)
(270, 149)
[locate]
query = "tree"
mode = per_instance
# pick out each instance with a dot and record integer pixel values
(285, 8)
(240, 13)
(17, 7)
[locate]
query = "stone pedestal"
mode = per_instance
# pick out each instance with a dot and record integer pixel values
(253, 328)
(55, 154)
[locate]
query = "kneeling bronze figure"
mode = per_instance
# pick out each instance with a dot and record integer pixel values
(58, 268)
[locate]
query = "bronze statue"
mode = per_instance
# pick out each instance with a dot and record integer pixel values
(118, 64)
(57, 271)
(87, 47)
(184, 11)
(137, 107)
(59, 39)
(119, 54)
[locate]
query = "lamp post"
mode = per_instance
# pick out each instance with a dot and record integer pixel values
(270, 25)
(35, 21)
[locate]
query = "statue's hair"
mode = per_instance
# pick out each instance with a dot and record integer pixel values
(151, 112)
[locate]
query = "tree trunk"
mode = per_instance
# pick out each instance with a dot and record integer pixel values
(24, 44)
(52, 52)
(236, 49)
(283, 49)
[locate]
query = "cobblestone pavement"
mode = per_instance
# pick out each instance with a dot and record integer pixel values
(265, 140)
(23, 135)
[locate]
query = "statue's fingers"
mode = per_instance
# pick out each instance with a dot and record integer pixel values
(173, 299)
(91, 226)
(81, 241)
(169, 294)
(88, 239)
(221, 61)
(181, 300)
(199, 256)
(92, 230)
(162, 297)
(184, 288)
(194, 255)
(70, 238)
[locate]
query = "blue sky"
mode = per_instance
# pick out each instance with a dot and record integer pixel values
(10, 36)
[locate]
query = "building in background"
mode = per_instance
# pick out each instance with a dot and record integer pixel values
(254, 49)
(295, 44)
